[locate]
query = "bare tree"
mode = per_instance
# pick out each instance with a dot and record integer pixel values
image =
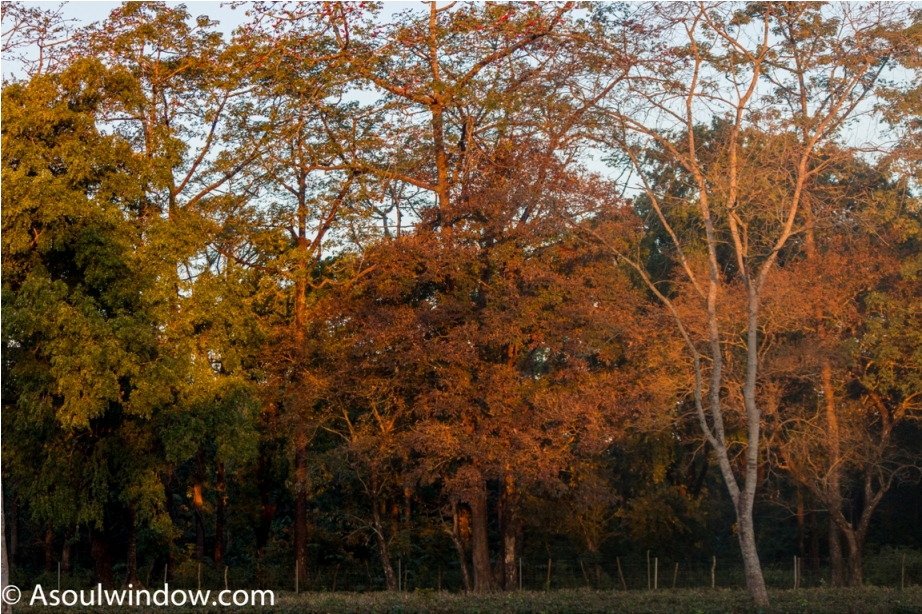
(34, 38)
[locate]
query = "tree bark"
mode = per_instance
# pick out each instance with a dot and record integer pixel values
(814, 543)
(132, 558)
(378, 527)
(266, 506)
(220, 510)
(755, 581)
(198, 504)
(458, 538)
(49, 549)
(743, 498)
(855, 548)
(102, 560)
(301, 513)
(836, 561)
(510, 530)
(67, 552)
(407, 506)
(751, 565)
(483, 577)
(855, 535)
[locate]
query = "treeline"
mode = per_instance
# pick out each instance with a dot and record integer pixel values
(460, 284)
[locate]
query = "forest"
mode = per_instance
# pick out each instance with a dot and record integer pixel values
(466, 296)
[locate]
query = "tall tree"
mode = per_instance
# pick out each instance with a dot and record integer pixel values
(304, 197)
(81, 300)
(712, 63)
(855, 315)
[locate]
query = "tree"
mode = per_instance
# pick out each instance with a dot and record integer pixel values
(145, 103)
(79, 301)
(301, 196)
(483, 361)
(841, 409)
(194, 124)
(710, 64)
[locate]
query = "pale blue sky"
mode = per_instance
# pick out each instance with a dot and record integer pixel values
(89, 11)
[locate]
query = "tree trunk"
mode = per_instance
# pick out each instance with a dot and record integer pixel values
(197, 506)
(266, 514)
(168, 559)
(814, 543)
(301, 513)
(67, 552)
(483, 577)
(751, 565)
(743, 497)
(836, 562)
(132, 561)
(49, 549)
(220, 507)
(510, 529)
(855, 548)
(855, 536)
(457, 536)
(99, 549)
(755, 582)
(266, 506)
(389, 576)
(407, 506)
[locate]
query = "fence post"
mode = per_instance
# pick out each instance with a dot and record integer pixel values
(399, 575)
(713, 570)
(621, 575)
(59, 576)
(520, 573)
(297, 588)
(225, 577)
(199, 575)
(675, 574)
(655, 573)
(547, 583)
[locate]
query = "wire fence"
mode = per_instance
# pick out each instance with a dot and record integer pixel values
(895, 569)
(630, 574)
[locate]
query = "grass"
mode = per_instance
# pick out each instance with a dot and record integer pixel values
(870, 600)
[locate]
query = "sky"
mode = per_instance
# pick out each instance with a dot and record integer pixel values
(89, 11)
(865, 130)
